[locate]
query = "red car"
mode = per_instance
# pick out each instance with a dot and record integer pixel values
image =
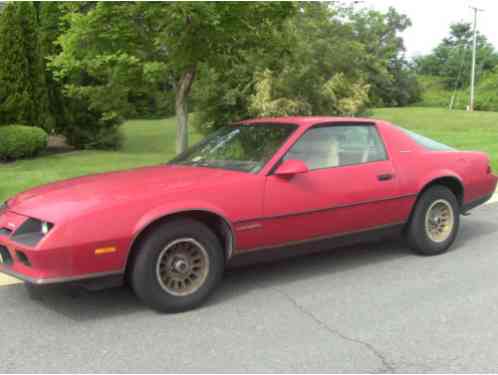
(272, 183)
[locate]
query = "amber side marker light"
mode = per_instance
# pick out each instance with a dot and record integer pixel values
(105, 250)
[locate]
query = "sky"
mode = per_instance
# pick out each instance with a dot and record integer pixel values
(431, 19)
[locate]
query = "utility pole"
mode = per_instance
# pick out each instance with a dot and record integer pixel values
(474, 48)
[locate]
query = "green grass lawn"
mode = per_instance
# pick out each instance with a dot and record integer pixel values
(147, 142)
(151, 142)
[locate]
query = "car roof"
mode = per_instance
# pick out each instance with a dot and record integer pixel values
(306, 121)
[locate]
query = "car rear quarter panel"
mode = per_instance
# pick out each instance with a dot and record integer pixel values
(416, 167)
(478, 179)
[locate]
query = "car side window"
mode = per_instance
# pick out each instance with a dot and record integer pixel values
(337, 146)
(428, 143)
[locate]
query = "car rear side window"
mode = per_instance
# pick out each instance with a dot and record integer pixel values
(338, 145)
(428, 143)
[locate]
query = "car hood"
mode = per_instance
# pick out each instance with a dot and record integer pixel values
(61, 199)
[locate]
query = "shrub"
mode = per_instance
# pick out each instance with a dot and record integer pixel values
(487, 92)
(155, 105)
(97, 138)
(19, 141)
(435, 95)
(338, 96)
(87, 129)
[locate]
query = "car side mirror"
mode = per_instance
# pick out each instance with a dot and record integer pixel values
(289, 168)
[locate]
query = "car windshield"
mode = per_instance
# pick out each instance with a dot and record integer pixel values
(244, 148)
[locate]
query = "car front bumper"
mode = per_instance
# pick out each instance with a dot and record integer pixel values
(55, 280)
(48, 266)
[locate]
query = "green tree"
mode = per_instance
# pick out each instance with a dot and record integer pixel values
(121, 45)
(383, 62)
(23, 93)
(330, 60)
(50, 18)
(451, 59)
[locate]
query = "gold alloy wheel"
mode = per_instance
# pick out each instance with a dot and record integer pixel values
(439, 220)
(182, 267)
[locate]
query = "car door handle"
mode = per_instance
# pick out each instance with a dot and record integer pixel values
(385, 177)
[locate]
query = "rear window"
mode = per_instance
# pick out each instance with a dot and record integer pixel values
(427, 142)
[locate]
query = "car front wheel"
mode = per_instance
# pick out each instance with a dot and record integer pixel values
(177, 266)
(434, 224)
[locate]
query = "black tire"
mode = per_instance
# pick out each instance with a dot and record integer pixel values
(417, 235)
(144, 275)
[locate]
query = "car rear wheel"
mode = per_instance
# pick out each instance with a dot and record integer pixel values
(435, 221)
(177, 266)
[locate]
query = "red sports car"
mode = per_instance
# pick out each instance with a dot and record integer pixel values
(271, 183)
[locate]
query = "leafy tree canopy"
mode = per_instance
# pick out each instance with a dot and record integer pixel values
(451, 59)
(328, 60)
(50, 14)
(111, 47)
(23, 94)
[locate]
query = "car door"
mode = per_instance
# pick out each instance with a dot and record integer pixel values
(351, 186)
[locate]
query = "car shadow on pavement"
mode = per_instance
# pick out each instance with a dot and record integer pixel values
(81, 305)
(272, 274)
(471, 230)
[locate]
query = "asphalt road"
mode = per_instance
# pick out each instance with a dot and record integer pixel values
(368, 308)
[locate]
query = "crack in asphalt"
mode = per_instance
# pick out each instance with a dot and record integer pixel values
(387, 366)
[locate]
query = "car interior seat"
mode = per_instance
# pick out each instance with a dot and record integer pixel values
(324, 153)
(316, 152)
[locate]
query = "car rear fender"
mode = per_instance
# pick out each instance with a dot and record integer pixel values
(446, 178)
